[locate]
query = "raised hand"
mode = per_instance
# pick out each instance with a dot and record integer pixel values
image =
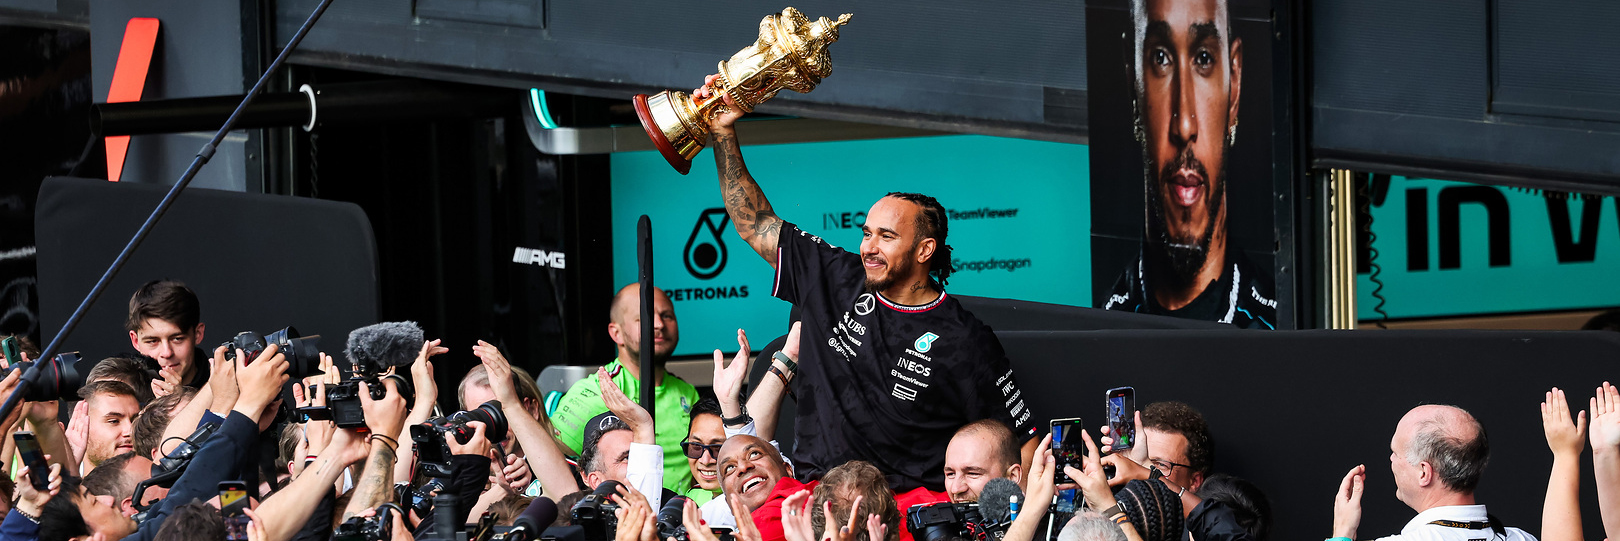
(876, 530)
(746, 530)
(1347, 503)
(260, 381)
(1091, 479)
(422, 372)
(222, 381)
(729, 379)
(845, 532)
(385, 416)
(692, 518)
(637, 521)
(515, 473)
(796, 524)
(1564, 437)
(32, 501)
(790, 347)
(477, 445)
(500, 373)
(1139, 449)
(1606, 418)
(168, 382)
(727, 114)
(633, 415)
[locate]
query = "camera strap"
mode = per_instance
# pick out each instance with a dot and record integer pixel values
(1490, 522)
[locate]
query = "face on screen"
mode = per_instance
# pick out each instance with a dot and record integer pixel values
(1188, 79)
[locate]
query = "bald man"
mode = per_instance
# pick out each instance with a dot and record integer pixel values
(672, 397)
(753, 471)
(1437, 456)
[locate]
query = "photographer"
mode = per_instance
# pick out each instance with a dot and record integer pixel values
(540, 450)
(75, 513)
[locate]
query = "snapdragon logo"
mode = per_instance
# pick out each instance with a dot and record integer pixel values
(1008, 265)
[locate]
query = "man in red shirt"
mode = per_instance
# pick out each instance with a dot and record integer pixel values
(752, 470)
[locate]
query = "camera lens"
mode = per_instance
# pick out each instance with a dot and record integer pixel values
(490, 414)
(302, 352)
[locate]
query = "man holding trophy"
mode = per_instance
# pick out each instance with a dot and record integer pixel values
(891, 365)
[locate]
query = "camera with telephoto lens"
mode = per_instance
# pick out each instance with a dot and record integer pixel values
(594, 512)
(432, 449)
(51, 380)
(374, 351)
(378, 527)
(946, 521)
(302, 353)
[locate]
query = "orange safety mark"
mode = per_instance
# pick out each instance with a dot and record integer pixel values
(129, 79)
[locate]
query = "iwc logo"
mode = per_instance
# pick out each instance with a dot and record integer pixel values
(865, 304)
(925, 342)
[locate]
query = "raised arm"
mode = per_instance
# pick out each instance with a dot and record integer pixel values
(750, 212)
(1605, 435)
(538, 447)
(1561, 511)
(765, 404)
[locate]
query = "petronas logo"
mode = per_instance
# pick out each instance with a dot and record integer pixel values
(705, 252)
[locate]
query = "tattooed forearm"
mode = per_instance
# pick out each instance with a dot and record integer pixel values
(751, 214)
(372, 489)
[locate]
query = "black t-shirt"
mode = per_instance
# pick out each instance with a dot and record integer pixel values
(1243, 296)
(884, 382)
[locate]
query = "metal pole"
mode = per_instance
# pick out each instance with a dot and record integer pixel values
(644, 259)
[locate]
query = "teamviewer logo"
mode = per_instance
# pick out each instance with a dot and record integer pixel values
(705, 253)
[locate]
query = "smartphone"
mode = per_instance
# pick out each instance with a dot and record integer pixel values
(1068, 448)
(1121, 406)
(9, 352)
(39, 471)
(233, 502)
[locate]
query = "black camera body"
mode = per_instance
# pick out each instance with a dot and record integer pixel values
(432, 447)
(946, 521)
(378, 527)
(343, 405)
(594, 513)
(61, 376)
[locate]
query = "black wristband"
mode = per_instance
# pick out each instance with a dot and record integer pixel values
(740, 420)
(786, 361)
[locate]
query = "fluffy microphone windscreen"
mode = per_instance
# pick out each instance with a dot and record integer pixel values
(993, 500)
(540, 514)
(379, 346)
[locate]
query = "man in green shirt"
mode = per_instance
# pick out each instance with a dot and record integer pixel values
(672, 397)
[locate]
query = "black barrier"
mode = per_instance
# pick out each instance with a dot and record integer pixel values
(257, 262)
(1293, 411)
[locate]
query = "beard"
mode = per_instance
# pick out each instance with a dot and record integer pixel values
(1178, 261)
(892, 271)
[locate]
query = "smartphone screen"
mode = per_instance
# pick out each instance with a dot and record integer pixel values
(233, 499)
(39, 471)
(1067, 446)
(1122, 417)
(8, 351)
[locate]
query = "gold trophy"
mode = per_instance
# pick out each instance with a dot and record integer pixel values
(791, 53)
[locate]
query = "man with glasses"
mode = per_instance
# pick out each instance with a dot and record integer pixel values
(1179, 448)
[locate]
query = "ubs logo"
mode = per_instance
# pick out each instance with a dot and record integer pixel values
(705, 252)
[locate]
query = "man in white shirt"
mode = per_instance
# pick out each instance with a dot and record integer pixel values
(619, 451)
(1437, 456)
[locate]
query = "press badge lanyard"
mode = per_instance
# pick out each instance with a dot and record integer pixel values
(1490, 522)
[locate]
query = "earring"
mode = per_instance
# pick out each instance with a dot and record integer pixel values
(1231, 135)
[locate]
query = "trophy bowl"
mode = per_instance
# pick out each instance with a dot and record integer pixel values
(791, 53)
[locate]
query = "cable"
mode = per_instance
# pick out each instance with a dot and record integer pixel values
(1372, 257)
(203, 155)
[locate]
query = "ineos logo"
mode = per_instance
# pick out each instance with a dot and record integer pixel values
(705, 252)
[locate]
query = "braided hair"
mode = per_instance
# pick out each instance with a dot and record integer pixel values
(931, 224)
(1153, 509)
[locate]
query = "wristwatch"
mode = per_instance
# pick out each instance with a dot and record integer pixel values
(740, 420)
(787, 361)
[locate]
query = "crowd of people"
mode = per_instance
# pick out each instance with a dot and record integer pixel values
(910, 424)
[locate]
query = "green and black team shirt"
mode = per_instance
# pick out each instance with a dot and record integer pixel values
(672, 412)
(881, 381)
